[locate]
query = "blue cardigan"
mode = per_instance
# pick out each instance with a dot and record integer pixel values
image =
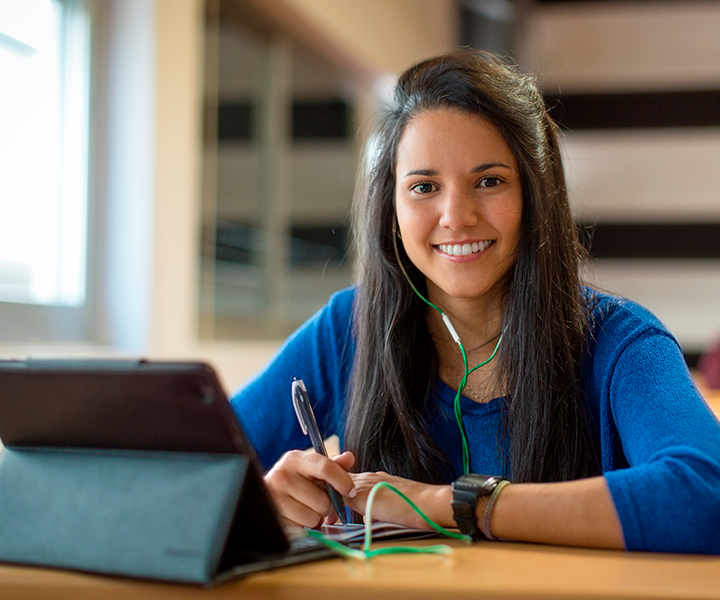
(660, 443)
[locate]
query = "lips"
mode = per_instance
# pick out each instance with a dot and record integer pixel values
(463, 249)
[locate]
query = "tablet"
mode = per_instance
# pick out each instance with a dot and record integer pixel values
(54, 409)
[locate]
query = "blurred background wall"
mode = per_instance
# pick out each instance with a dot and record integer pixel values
(637, 85)
(226, 134)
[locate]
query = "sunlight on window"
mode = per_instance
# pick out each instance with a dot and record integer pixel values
(43, 152)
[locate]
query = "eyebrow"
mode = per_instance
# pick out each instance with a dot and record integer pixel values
(478, 169)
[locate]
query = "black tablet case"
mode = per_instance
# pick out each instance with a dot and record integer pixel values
(132, 468)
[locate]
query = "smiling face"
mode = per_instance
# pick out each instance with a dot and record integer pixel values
(458, 198)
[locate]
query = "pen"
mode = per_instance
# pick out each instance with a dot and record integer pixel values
(308, 424)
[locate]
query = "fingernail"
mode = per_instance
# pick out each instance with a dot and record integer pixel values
(353, 493)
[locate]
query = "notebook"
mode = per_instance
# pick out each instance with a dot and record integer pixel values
(133, 468)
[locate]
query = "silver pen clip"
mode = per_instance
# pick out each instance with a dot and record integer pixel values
(297, 386)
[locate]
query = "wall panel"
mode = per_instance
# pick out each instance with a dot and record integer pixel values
(637, 87)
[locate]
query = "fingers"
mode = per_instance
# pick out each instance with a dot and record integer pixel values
(388, 506)
(297, 496)
(345, 485)
(346, 460)
(297, 484)
(296, 514)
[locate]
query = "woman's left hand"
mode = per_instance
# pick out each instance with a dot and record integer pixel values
(433, 500)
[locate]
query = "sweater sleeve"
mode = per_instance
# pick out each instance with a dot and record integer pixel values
(320, 353)
(668, 499)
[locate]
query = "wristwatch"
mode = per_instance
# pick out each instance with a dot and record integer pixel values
(467, 490)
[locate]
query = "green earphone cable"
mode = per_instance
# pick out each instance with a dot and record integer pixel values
(366, 552)
(463, 381)
(458, 411)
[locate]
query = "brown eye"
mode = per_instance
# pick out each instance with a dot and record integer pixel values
(489, 182)
(422, 188)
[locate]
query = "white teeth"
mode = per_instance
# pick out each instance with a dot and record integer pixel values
(464, 249)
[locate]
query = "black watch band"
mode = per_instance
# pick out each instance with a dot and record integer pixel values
(467, 490)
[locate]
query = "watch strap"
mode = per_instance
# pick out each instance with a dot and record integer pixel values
(467, 491)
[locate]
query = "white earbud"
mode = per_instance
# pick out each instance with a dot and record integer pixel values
(451, 329)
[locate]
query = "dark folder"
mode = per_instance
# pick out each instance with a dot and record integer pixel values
(131, 468)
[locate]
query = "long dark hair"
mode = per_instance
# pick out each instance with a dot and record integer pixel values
(544, 316)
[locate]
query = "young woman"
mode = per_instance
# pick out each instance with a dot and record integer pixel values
(467, 256)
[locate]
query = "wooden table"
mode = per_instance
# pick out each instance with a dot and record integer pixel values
(481, 570)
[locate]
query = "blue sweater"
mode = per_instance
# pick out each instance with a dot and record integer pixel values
(660, 443)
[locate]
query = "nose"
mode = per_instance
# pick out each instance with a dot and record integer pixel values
(460, 209)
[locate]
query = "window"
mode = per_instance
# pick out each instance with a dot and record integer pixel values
(280, 164)
(44, 132)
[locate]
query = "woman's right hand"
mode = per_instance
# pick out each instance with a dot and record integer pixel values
(297, 484)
